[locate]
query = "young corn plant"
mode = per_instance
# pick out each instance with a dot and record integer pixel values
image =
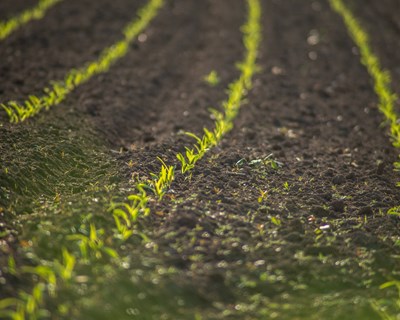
(59, 90)
(93, 244)
(160, 182)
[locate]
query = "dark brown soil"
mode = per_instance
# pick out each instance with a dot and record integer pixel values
(320, 243)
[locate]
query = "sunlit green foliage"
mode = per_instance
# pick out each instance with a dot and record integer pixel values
(236, 93)
(160, 182)
(212, 78)
(35, 13)
(59, 90)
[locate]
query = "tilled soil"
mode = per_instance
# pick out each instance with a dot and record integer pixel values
(316, 245)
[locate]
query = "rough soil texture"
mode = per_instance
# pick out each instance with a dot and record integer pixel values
(319, 243)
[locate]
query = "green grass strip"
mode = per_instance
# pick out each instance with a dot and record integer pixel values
(58, 91)
(35, 13)
(381, 77)
(236, 93)
(387, 99)
(89, 244)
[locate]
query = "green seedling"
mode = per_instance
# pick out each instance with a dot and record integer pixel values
(395, 211)
(93, 244)
(59, 90)
(267, 161)
(286, 186)
(276, 221)
(212, 78)
(161, 181)
(381, 77)
(263, 195)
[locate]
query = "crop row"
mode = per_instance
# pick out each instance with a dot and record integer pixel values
(387, 99)
(94, 242)
(58, 90)
(35, 13)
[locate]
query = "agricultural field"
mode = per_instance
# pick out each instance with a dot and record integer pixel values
(213, 159)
